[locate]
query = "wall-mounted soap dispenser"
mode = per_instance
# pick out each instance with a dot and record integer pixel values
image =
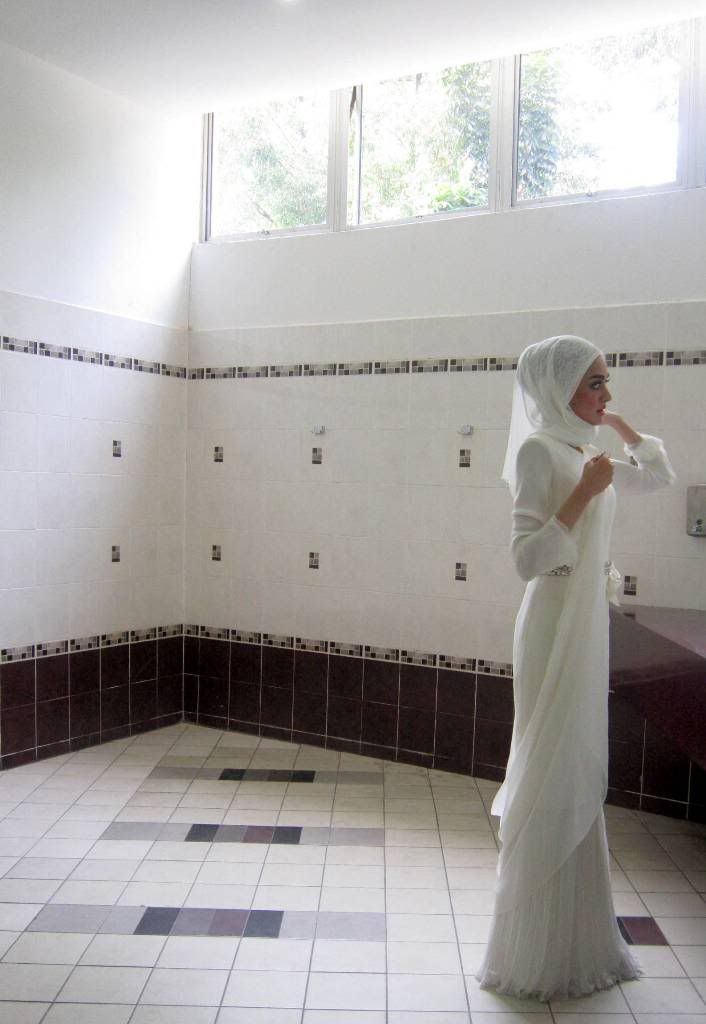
(696, 511)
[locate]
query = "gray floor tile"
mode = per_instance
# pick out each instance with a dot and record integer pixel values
(122, 920)
(357, 837)
(69, 918)
(133, 830)
(366, 927)
(298, 924)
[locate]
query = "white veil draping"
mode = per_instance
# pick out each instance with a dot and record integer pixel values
(556, 778)
(548, 373)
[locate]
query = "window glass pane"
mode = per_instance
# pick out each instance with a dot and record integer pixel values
(600, 115)
(424, 146)
(269, 166)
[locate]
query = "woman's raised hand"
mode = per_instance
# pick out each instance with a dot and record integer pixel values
(597, 474)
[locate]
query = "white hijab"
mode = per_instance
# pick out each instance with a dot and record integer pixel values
(548, 374)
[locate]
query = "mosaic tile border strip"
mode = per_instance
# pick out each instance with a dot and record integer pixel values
(47, 648)
(91, 356)
(434, 364)
(428, 659)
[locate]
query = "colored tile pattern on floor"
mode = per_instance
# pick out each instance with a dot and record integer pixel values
(220, 878)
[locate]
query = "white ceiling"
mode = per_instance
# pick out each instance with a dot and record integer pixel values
(188, 56)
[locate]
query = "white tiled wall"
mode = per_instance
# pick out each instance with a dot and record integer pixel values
(389, 510)
(65, 500)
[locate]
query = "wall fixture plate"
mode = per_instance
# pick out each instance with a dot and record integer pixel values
(696, 511)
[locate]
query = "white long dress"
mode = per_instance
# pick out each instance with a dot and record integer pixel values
(554, 932)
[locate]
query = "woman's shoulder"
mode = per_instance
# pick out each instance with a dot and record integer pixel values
(539, 447)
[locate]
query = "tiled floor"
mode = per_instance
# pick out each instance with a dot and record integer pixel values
(189, 876)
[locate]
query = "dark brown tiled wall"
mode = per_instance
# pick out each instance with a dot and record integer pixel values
(448, 719)
(64, 702)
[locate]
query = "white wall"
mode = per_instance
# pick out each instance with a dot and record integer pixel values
(611, 252)
(99, 209)
(99, 198)
(389, 510)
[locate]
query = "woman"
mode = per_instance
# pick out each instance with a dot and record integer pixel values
(554, 932)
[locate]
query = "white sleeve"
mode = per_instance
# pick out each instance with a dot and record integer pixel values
(651, 472)
(539, 541)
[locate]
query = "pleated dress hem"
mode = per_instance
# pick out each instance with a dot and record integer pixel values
(627, 970)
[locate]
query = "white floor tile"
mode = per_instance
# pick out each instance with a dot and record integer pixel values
(611, 1000)
(123, 951)
(430, 992)
(81, 1013)
(97, 893)
(255, 989)
(185, 987)
(282, 897)
(154, 894)
(273, 955)
(663, 995)
(341, 956)
(350, 900)
(47, 948)
(418, 901)
(693, 959)
(423, 958)
(675, 904)
(199, 952)
(420, 928)
(174, 1015)
(348, 991)
(22, 1013)
(29, 982)
(104, 985)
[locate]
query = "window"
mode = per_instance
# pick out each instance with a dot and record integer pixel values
(424, 143)
(269, 167)
(615, 114)
(600, 116)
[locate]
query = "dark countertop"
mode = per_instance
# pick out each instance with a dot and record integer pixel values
(658, 664)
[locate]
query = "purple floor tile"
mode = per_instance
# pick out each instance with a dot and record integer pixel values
(259, 834)
(642, 931)
(228, 922)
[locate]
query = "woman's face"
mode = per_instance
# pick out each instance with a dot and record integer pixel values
(592, 394)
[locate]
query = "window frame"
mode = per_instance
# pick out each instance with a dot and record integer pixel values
(502, 157)
(570, 198)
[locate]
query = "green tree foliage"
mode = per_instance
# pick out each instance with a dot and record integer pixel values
(270, 166)
(425, 139)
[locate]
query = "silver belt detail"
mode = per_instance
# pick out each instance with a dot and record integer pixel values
(566, 570)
